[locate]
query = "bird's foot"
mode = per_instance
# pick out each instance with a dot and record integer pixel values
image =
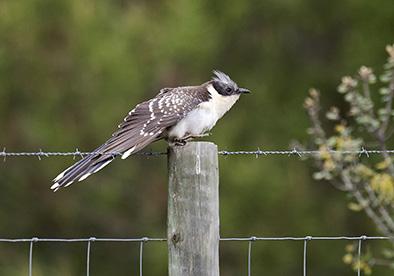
(177, 142)
(183, 141)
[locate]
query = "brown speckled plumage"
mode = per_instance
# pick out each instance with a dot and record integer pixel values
(147, 122)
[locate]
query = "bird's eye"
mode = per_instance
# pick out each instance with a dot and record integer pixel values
(228, 89)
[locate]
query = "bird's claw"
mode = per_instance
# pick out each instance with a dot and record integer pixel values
(178, 142)
(183, 141)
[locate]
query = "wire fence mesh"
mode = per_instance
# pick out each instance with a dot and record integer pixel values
(250, 240)
(89, 241)
(144, 240)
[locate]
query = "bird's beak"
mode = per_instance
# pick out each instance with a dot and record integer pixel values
(243, 91)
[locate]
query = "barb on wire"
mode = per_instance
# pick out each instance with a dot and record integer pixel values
(77, 152)
(295, 151)
(257, 153)
(363, 151)
(3, 153)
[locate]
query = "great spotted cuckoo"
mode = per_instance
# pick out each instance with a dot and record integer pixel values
(175, 114)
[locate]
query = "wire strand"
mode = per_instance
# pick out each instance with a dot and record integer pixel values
(362, 238)
(92, 239)
(224, 239)
(305, 255)
(250, 255)
(30, 269)
(144, 240)
(39, 154)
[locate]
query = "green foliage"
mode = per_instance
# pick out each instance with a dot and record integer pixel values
(71, 69)
(370, 182)
(362, 263)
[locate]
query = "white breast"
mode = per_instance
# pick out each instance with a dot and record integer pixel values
(205, 116)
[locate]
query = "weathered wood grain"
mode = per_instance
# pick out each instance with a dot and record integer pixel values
(193, 210)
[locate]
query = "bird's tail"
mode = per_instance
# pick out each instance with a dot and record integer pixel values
(81, 170)
(132, 136)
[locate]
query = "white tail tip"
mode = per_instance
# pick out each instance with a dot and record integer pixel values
(127, 153)
(55, 186)
(83, 177)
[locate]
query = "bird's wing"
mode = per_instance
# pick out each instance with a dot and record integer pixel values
(142, 126)
(164, 90)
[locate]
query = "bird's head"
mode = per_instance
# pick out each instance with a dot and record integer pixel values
(226, 86)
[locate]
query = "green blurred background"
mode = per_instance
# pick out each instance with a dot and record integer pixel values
(71, 69)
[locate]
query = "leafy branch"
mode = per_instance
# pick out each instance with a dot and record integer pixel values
(368, 120)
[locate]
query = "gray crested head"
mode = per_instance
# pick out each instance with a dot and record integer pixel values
(225, 86)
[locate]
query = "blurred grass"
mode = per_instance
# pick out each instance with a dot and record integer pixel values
(71, 69)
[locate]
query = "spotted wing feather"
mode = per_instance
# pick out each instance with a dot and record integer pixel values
(143, 125)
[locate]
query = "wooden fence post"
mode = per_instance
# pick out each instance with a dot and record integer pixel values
(193, 210)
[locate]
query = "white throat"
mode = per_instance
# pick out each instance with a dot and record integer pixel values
(221, 103)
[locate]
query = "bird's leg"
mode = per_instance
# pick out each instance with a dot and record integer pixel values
(190, 137)
(183, 141)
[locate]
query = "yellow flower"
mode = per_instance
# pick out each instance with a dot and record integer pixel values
(367, 270)
(354, 206)
(340, 128)
(383, 184)
(324, 153)
(314, 93)
(329, 165)
(340, 142)
(347, 258)
(365, 72)
(390, 50)
(350, 248)
(364, 171)
(308, 103)
(384, 164)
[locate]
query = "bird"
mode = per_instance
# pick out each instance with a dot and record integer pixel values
(177, 115)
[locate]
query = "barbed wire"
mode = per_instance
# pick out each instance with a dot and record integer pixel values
(257, 153)
(75, 153)
(297, 152)
(301, 153)
(250, 240)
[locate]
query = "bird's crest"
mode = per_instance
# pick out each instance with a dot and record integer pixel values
(224, 78)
